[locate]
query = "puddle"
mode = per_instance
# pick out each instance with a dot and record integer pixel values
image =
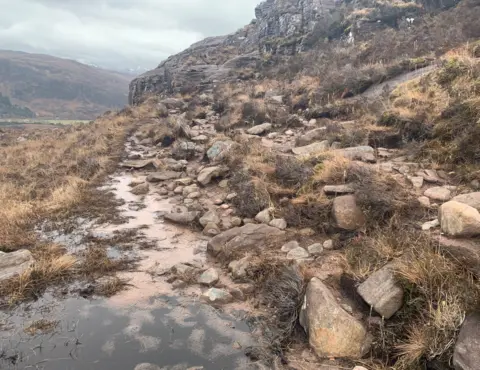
(95, 335)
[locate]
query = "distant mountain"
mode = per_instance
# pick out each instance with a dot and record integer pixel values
(53, 87)
(7, 109)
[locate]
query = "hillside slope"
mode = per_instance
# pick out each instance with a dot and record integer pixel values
(54, 87)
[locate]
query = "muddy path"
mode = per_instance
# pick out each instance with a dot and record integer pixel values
(149, 321)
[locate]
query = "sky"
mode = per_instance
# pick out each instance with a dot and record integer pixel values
(117, 34)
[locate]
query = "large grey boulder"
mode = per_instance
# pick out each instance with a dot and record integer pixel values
(183, 218)
(466, 355)
(250, 236)
(459, 219)
(472, 199)
(332, 331)
(312, 148)
(14, 263)
(310, 136)
(220, 150)
(382, 292)
(347, 214)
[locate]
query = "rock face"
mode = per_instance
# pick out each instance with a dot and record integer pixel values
(467, 354)
(382, 292)
(459, 219)
(14, 263)
(347, 214)
(241, 238)
(282, 26)
(332, 332)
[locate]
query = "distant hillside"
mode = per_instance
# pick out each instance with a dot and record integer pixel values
(54, 87)
(7, 109)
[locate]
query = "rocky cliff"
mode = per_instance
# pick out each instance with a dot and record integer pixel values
(283, 27)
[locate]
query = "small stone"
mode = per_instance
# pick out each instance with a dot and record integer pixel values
(211, 229)
(200, 139)
(290, 246)
(424, 201)
(317, 147)
(315, 249)
(223, 184)
(187, 190)
(209, 217)
(438, 193)
(248, 221)
(297, 254)
(194, 195)
(178, 190)
(338, 189)
(188, 202)
(179, 284)
(260, 129)
(163, 192)
(263, 216)
(217, 296)
(382, 292)
(218, 202)
(430, 225)
(171, 186)
(231, 196)
(307, 232)
(236, 221)
(141, 189)
(347, 214)
(182, 217)
(272, 135)
(225, 206)
(209, 277)
(238, 294)
(329, 245)
(289, 133)
(279, 223)
(417, 181)
(163, 176)
(207, 174)
(359, 368)
(239, 268)
(184, 181)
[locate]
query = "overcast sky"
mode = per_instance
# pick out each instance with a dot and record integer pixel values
(117, 34)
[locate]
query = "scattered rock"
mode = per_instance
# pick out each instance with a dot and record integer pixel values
(178, 190)
(209, 217)
(290, 246)
(459, 219)
(183, 269)
(263, 216)
(279, 223)
(209, 277)
(382, 292)
(179, 284)
(184, 181)
(250, 236)
(260, 129)
(200, 139)
(187, 190)
(14, 263)
(219, 150)
(183, 217)
(194, 195)
(430, 225)
(139, 164)
(298, 254)
(424, 201)
(347, 214)
(466, 355)
(211, 229)
(438, 193)
(472, 199)
(239, 268)
(338, 189)
(207, 174)
(289, 133)
(141, 189)
(312, 148)
(183, 150)
(315, 249)
(329, 245)
(236, 221)
(311, 136)
(307, 232)
(416, 181)
(163, 176)
(332, 332)
(231, 196)
(217, 296)
(364, 153)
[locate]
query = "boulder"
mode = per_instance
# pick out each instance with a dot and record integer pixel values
(219, 151)
(209, 277)
(217, 296)
(466, 355)
(465, 251)
(382, 292)
(263, 217)
(438, 193)
(279, 223)
(363, 153)
(332, 331)
(347, 214)
(139, 164)
(14, 263)
(260, 129)
(184, 150)
(472, 199)
(311, 136)
(141, 189)
(459, 219)
(163, 176)
(209, 217)
(317, 147)
(250, 236)
(207, 174)
(298, 253)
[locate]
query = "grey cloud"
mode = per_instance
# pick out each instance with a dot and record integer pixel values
(117, 33)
